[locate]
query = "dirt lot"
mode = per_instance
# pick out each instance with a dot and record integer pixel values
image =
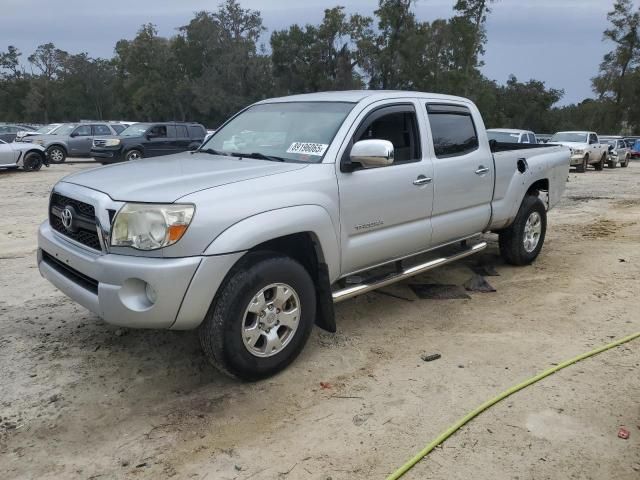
(82, 399)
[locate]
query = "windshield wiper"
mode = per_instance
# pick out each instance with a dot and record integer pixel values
(259, 156)
(210, 151)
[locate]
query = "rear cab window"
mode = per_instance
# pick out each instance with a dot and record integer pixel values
(452, 129)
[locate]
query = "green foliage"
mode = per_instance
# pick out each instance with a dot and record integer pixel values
(215, 65)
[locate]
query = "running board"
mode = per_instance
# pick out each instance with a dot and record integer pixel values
(352, 291)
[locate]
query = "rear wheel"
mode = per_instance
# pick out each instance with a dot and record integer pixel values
(56, 154)
(261, 318)
(520, 244)
(133, 155)
(600, 165)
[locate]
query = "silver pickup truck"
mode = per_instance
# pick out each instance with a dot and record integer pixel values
(294, 204)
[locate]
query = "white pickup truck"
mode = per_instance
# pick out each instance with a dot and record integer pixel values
(586, 149)
(252, 237)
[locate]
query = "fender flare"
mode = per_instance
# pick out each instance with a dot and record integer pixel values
(272, 224)
(57, 144)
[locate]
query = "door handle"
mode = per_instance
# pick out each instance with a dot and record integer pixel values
(481, 170)
(422, 180)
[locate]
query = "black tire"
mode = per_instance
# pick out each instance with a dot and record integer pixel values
(511, 240)
(132, 155)
(583, 166)
(600, 165)
(612, 164)
(625, 164)
(32, 162)
(221, 332)
(56, 154)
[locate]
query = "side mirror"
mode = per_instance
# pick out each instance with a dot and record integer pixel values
(372, 153)
(74, 134)
(149, 135)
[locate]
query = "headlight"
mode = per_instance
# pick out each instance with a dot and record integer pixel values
(111, 142)
(578, 151)
(150, 226)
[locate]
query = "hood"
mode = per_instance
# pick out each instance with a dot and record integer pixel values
(166, 179)
(571, 144)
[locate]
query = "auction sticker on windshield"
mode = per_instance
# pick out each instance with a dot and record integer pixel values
(304, 148)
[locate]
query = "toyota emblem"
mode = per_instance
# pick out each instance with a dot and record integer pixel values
(67, 218)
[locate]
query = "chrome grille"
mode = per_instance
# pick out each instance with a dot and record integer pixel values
(83, 228)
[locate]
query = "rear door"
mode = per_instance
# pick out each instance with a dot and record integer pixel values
(463, 172)
(384, 212)
(181, 142)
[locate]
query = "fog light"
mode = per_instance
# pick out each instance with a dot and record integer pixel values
(152, 295)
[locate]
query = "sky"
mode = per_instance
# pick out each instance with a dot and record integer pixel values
(556, 41)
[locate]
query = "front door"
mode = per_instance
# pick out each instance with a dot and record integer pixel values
(7, 154)
(463, 173)
(80, 141)
(384, 211)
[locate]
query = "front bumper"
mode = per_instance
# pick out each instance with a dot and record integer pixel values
(577, 159)
(114, 286)
(107, 154)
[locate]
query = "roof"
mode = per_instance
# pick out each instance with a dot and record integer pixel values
(355, 96)
(508, 130)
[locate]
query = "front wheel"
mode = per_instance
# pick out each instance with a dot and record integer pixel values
(520, 244)
(133, 155)
(56, 154)
(583, 166)
(32, 162)
(261, 317)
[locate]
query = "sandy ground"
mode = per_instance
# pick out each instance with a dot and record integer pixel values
(82, 399)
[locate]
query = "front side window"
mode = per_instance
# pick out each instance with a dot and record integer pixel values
(83, 131)
(136, 130)
(453, 130)
(158, 131)
(593, 139)
(290, 131)
(398, 125)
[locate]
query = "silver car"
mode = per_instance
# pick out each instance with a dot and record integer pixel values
(71, 139)
(619, 151)
(27, 156)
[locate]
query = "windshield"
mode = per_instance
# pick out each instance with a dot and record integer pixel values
(295, 131)
(136, 130)
(609, 141)
(569, 137)
(65, 129)
(503, 137)
(47, 129)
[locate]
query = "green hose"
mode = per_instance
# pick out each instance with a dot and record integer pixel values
(474, 413)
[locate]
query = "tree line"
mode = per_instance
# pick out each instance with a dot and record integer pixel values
(215, 65)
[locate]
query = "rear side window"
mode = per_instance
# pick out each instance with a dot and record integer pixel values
(101, 130)
(171, 131)
(181, 131)
(452, 129)
(196, 131)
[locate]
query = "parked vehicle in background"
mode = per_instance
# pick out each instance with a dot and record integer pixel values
(142, 140)
(507, 135)
(71, 140)
(46, 130)
(618, 151)
(8, 133)
(586, 149)
(22, 155)
(634, 150)
(543, 137)
(252, 237)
